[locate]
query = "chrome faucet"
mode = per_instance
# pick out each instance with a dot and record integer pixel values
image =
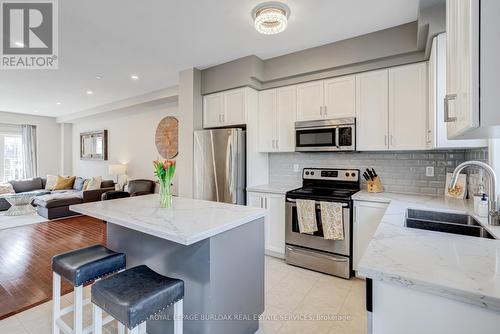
(494, 214)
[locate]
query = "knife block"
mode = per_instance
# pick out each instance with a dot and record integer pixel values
(374, 186)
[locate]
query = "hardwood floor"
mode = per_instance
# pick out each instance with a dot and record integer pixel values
(25, 259)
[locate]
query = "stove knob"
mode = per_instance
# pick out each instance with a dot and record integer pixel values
(307, 173)
(347, 174)
(312, 173)
(353, 174)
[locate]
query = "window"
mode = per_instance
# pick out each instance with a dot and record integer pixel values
(11, 161)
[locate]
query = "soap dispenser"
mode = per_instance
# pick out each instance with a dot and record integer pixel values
(483, 206)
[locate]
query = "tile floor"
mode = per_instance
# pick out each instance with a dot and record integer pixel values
(294, 297)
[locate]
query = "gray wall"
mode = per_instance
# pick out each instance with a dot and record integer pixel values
(403, 44)
(401, 172)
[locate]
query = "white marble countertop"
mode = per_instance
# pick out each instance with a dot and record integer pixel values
(459, 267)
(274, 188)
(187, 222)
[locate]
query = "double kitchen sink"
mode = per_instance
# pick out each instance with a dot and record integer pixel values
(446, 222)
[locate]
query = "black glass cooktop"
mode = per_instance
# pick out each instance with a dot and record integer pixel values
(319, 192)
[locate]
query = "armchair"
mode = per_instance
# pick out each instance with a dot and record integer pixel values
(135, 188)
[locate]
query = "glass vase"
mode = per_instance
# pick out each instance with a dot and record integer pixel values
(165, 194)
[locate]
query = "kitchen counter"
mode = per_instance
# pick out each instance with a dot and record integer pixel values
(462, 268)
(215, 248)
(274, 188)
(187, 222)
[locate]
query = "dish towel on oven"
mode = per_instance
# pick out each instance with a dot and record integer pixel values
(331, 219)
(306, 216)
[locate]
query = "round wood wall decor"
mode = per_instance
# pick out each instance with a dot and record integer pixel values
(167, 137)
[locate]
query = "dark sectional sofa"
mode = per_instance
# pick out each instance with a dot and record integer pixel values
(55, 204)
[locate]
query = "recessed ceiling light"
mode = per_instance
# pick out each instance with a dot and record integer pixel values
(270, 17)
(89, 92)
(134, 77)
(98, 76)
(35, 111)
(19, 44)
(58, 103)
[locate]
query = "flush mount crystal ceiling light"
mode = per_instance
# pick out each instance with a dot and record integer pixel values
(270, 17)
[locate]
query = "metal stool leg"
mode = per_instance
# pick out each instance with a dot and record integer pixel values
(134, 330)
(97, 319)
(178, 317)
(121, 328)
(78, 311)
(56, 301)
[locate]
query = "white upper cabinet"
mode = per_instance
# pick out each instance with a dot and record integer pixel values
(213, 106)
(408, 107)
(310, 101)
(436, 126)
(332, 98)
(277, 114)
(462, 64)
(267, 120)
(225, 109)
(340, 97)
(372, 111)
(235, 107)
(287, 115)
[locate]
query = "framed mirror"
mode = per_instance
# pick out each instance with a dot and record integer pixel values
(94, 145)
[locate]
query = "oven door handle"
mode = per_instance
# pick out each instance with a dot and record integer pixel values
(318, 254)
(344, 205)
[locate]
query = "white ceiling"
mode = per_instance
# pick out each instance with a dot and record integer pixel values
(155, 39)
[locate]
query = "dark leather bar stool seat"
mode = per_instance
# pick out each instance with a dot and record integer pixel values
(135, 294)
(87, 264)
(79, 267)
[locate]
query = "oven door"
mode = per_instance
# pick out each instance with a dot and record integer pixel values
(316, 240)
(316, 139)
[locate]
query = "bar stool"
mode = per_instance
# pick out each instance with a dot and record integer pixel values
(79, 267)
(133, 296)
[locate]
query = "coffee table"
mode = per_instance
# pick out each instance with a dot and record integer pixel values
(20, 204)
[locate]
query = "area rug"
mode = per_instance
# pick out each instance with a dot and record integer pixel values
(15, 221)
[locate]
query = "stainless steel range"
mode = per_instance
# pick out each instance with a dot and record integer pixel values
(313, 251)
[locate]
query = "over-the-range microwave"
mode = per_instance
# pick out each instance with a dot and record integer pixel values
(327, 135)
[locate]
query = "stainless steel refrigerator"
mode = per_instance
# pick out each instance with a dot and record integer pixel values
(219, 165)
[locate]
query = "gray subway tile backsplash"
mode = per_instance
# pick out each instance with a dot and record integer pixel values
(402, 172)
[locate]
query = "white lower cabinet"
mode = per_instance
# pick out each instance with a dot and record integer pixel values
(367, 217)
(274, 224)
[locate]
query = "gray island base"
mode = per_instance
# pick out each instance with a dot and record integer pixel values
(216, 249)
(223, 276)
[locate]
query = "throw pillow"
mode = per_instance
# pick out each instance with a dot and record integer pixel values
(79, 182)
(6, 188)
(93, 183)
(51, 182)
(64, 182)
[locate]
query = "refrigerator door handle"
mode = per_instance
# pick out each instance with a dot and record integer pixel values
(231, 169)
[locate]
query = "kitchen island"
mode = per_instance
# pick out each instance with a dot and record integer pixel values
(216, 248)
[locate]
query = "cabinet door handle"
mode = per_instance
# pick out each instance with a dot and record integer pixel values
(265, 199)
(447, 98)
(385, 140)
(392, 140)
(325, 111)
(262, 202)
(321, 110)
(277, 144)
